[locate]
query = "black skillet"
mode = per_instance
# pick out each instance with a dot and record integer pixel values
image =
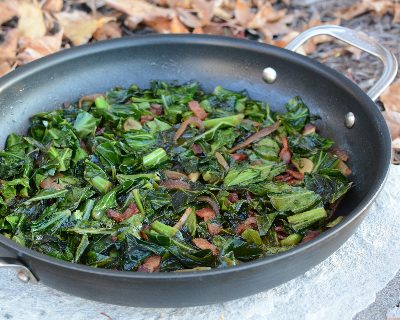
(234, 64)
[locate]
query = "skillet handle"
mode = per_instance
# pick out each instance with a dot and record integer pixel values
(23, 272)
(361, 41)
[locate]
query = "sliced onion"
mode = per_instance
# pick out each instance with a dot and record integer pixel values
(183, 126)
(183, 219)
(175, 184)
(260, 134)
(221, 160)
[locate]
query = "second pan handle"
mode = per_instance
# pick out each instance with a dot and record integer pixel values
(361, 41)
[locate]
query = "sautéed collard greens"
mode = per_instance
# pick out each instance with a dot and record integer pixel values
(169, 178)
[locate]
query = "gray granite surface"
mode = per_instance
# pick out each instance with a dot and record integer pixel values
(338, 288)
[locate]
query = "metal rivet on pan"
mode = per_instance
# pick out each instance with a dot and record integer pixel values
(21, 275)
(269, 75)
(349, 120)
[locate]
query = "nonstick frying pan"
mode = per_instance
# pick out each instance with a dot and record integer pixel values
(236, 65)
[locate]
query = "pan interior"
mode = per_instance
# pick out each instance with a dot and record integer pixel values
(236, 65)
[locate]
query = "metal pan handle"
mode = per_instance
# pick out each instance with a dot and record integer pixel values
(361, 41)
(23, 272)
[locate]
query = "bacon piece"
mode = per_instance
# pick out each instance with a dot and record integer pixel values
(257, 136)
(197, 149)
(280, 232)
(295, 174)
(119, 217)
(341, 154)
(145, 118)
(283, 177)
(233, 197)
(175, 184)
(309, 128)
(183, 126)
(214, 228)
(214, 205)
(151, 264)
(284, 154)
(204, 244)
(310, 235)
(83, 145)
(294, 182)
(206, 213)
(239, 156)
(156, 109)
(197, 110)
(249, 223)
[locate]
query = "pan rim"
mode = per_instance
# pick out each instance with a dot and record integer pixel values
(218, 41)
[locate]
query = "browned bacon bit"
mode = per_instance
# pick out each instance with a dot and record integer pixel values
(214, 228)
(90, 97)
(175, 175)
(145, 118)
(310, 235)
(295, 174)
(119, 217)
(143, 232)
(294, 182)
(204, 244)
(206, 213)
(239, 156)
(197, 150)
(284, 154)
(114, 238)
(233, 197)
(309, 128)
(197, 110)
(50, 183)
(100, 131)
(249, 223)
(341, 154)
(214, 205)
(175, 184)
(183, 126)
(151, 264)
(283, 177)
(280, 231)
(257, 136)
(156, 109)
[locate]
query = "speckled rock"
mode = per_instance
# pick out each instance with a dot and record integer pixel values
(337, 288)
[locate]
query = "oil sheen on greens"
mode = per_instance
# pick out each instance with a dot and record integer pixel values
(108, 182)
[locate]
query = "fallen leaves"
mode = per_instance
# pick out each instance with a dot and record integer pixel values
(80, 26)
(7, 12)
(391, 97)
(31, 21)
(378, 7)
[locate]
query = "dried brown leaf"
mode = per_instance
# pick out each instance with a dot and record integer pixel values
(188, 18)
(393, 121)
(53, 5)
(391, 97)
(80, 26)
(160, 25)
(204, 9)
(31, 22)
(109, 30)
(396, 13)
(379, 7)
(7, 12)
(177, 26)
(8, 48)
(4, 68)
(266, 14)
(139, 11)
(40, 47)
(243, 13)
